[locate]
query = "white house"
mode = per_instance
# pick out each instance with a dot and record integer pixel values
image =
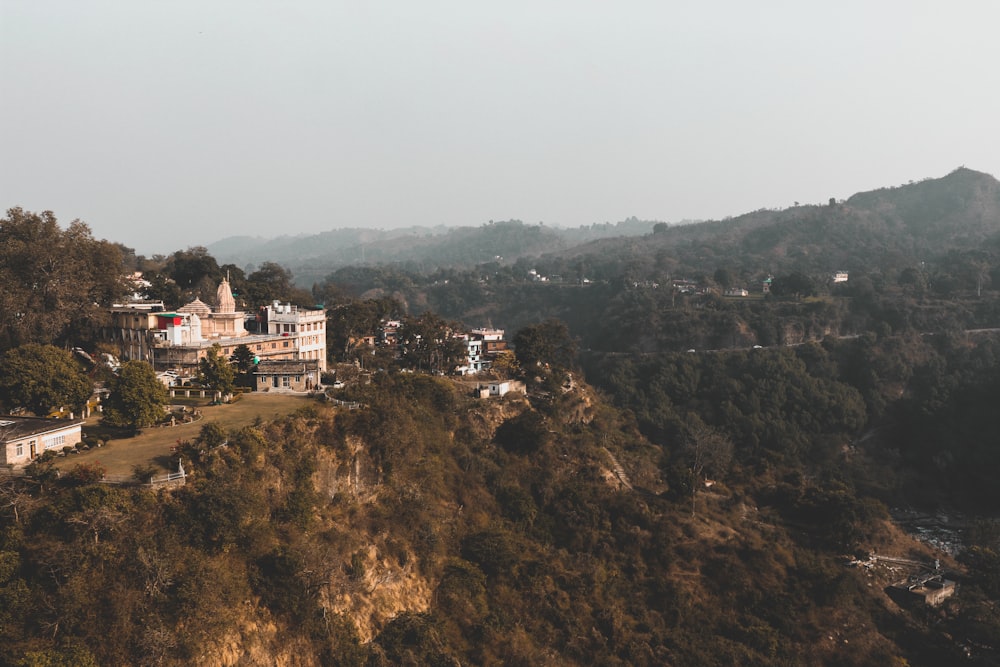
(24, 438)
(501, 388)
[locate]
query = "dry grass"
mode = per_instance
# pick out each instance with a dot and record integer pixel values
(153, 445)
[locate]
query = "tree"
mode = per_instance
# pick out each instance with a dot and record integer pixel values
(548, 342)
(40, 377)
(190, 267)
(427, 343)
(505, 364)
(708, 452)
(349, 323)
(526, 433)
(268, 283)
(244, 361)
(137, 397)
(723, 277)
(795, 284)
(53, 281)
(163, 288)
(215, 371)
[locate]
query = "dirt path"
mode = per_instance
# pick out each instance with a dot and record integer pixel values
(153, 445)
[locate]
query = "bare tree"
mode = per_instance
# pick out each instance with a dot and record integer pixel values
(708, 452)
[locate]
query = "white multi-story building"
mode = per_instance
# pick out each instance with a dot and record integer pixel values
(482, 346)
(306, 328)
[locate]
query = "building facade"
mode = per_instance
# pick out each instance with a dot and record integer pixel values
(180, 339)
(24, 438)
(289, 375)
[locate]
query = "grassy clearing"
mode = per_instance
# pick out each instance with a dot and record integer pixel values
(152, 446)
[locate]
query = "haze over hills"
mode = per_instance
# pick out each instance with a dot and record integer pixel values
(887, 228)
(685, 477)
(882, 229)
(419, 246)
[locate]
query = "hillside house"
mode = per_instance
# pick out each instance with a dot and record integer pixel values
(288, 375)
(482, 346)
(24, 438)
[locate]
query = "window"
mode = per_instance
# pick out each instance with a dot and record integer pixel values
(298, 379)
(55, 441)
(284, 344)
(284, 381)
(19, 450)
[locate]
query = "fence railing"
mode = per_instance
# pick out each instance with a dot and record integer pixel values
(156, 480)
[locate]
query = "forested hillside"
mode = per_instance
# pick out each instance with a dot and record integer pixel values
(921, 257)
(693, 477)
(432, 528)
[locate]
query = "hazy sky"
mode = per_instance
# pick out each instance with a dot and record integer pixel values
(170, 124)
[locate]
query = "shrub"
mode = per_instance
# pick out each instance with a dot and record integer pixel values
(143, 472)
(86, 473)
(523, 434)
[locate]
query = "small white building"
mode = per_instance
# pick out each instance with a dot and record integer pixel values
(840, 277)
(500, 388)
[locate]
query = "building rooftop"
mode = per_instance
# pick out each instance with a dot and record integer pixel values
(15, 427)
(286, 366)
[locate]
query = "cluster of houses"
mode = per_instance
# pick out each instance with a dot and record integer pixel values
(481, 345)
(690, 287)
(288, 342)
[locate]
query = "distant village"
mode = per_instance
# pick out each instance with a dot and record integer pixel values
(288, 344)
(280, 336)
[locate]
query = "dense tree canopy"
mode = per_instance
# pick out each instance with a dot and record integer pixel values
(350, 322)
(42, 377)
(268, 283)
(53, 281)
(193, 267)
(428, 343)
(137, 397)
(546, 343)
(215, 371)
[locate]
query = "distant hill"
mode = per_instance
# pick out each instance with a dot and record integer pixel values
(887, 228)
(312, 257)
